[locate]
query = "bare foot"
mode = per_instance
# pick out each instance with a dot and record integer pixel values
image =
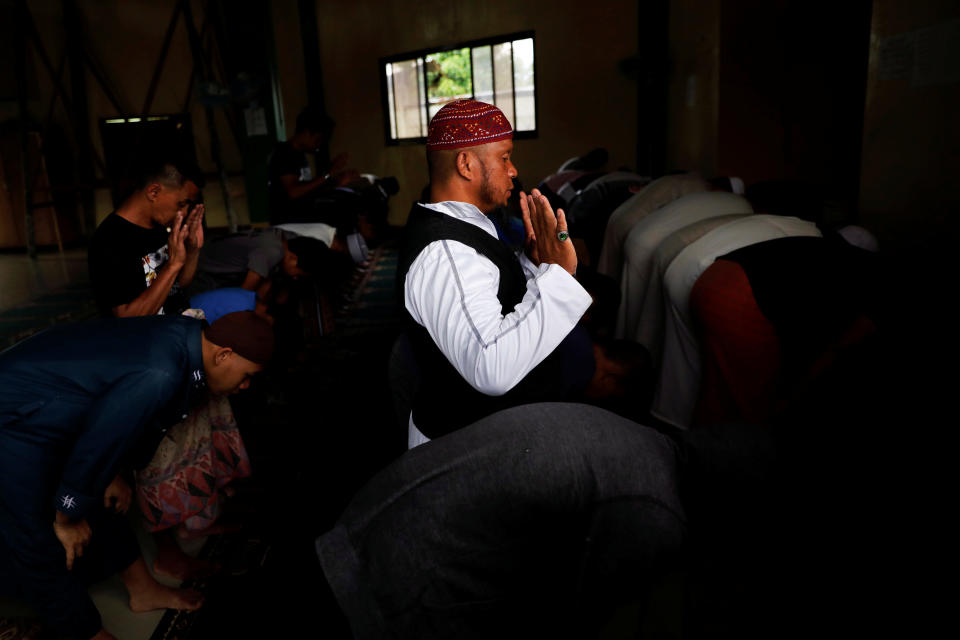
(179, 565)
(164, 597)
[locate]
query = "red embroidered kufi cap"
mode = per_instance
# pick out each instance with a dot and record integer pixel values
(247, 333)
(467, 123)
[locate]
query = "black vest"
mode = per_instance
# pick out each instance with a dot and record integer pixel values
(444, 401)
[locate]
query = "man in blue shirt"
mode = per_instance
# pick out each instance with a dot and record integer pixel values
(78, 404)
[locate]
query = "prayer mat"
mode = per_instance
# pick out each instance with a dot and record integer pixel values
(70, 304)
(375, 299)
(239, 554)
(22, 629)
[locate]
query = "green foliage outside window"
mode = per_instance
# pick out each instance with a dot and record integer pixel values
(448, 74)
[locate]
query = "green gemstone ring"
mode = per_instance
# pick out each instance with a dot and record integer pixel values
(562, 235)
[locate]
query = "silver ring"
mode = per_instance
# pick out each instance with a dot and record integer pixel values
(562, 235)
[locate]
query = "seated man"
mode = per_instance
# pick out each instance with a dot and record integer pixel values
(79, 403)
(296, 195)
(485, 324)
(144, 254)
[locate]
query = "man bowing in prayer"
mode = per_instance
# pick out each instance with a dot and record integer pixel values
(78, 404)
(489, 328)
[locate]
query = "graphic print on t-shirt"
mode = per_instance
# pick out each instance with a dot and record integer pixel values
(153, 261)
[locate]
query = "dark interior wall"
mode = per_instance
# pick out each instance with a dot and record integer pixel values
(791, 91)
(583, 99)
(693, 76)
(911, 139)
(289, 54)
(756, 88)
(857, 97)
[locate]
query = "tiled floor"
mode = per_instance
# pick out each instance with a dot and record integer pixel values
(23, 279)
(35, 294)
(110, 596)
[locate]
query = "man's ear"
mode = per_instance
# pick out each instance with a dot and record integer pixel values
(466, 164)
(221, 355)
(153, 191)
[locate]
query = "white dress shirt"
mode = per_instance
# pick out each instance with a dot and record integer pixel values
(451, 290)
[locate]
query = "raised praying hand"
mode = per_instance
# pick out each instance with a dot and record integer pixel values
(194, 226)
(544, 231)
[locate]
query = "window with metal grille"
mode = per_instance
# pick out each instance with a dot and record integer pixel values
(496, 70)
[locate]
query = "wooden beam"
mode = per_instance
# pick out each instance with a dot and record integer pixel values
(162, 59)
(31, 31)
(83, 167)
(196, 47)
(20, 70)
(100, 75)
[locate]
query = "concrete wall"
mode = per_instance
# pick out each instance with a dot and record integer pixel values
(583, 100)
(768, 89)
(911, 141)
(693, 86)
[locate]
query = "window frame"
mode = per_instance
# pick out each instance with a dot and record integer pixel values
(471, 44)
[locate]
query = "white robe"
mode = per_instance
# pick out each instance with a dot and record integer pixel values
(652, 312)
(647, 235)
(678, 386)
(658, 193)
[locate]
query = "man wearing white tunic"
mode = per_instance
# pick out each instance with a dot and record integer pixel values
(483, 318)
(679, 381)
(647, 235)
(651, 319)
(658, 193)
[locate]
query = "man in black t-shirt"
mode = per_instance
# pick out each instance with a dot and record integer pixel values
(144, 253)
(296, 195)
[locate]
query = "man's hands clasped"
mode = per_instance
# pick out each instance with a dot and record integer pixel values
(185, 238)
(543, 244)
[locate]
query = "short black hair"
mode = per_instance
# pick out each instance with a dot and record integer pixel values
(171, 172)
(310, 253)
(315, 121)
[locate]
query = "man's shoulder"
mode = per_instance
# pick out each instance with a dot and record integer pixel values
(284, 154)
(109, 225)
(117, 228)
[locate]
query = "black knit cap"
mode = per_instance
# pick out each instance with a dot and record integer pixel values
(247, 333)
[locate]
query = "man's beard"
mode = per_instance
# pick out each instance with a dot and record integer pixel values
(488, 196)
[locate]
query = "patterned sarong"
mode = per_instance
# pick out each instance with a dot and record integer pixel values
(198, 457)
